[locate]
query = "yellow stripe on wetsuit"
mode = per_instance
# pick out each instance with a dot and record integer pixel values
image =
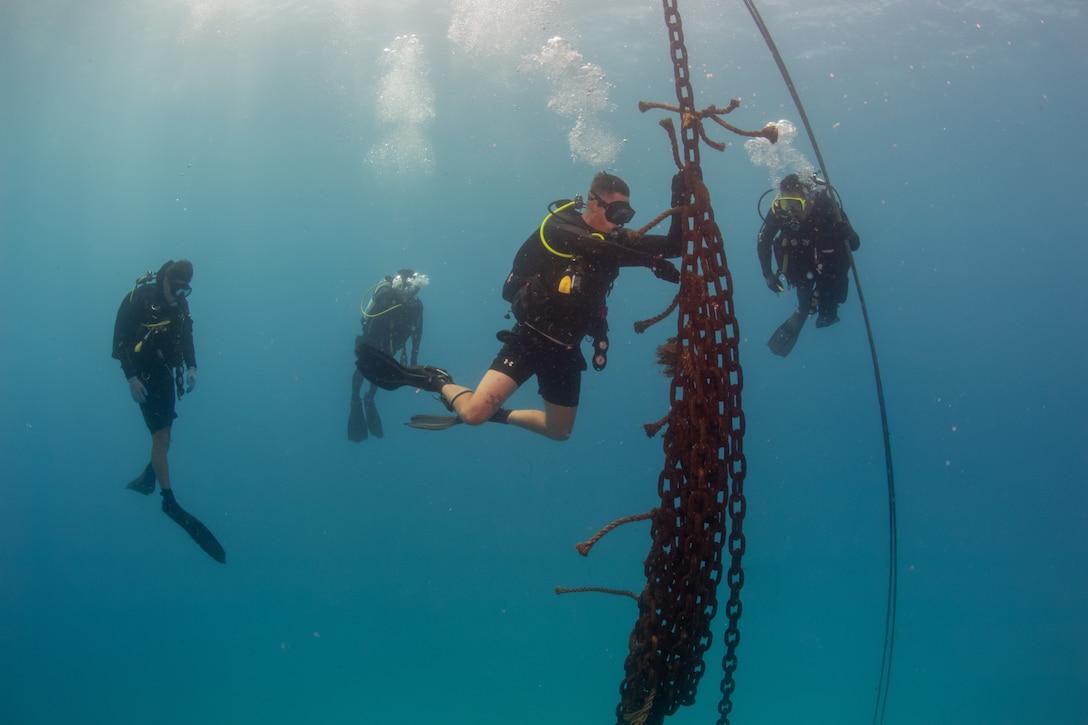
(150, 328)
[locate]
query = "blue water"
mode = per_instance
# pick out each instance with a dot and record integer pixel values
(297, 152)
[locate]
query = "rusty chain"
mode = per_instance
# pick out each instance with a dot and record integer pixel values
(702, 483)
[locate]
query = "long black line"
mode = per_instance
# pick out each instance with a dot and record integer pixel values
(893, 555)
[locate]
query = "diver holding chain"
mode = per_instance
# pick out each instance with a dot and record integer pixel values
(557, 289)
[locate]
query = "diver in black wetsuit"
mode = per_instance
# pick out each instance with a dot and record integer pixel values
(807, 231)
(557, 288)
(392, 317)
(153, 340)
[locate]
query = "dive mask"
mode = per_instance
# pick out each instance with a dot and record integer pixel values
(789, 208)
(180, 289)
(411, 284)
(618, 212)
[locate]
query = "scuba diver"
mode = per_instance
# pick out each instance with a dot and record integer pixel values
(808, 231)
(557, 290)
(153, 340)
(392, 317)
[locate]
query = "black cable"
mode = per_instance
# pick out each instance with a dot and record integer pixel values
(893, 555)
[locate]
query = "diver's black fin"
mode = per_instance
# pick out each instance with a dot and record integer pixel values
(193, 527)
(433, 422)
(442, 422)
(357, 430)
(144, 483)
(784, 338)
(383, 370)
(373, 420)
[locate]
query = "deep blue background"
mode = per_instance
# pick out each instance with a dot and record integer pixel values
(409, 579)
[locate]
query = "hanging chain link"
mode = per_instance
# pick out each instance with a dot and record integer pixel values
(702, 483)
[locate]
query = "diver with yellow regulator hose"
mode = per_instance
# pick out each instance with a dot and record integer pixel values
(153, 341)
(807, 231)
(391, 318)
(557, 290)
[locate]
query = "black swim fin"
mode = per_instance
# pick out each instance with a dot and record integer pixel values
(144, 483)
(442, 422)
(193, 527)
(383, 370)
(433, 422)
(785, 337)
(357, 430)
(373, 420)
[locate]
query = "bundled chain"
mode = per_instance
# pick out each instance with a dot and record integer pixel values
(702, 483)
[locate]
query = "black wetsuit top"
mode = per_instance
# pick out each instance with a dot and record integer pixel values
(561, 292)
(815, 246)
(392, 318)
(162, 332)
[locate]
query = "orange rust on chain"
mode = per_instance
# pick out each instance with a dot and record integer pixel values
(701, 485)
(691, 119)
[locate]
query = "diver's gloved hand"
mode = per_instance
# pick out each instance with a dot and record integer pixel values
(679, 189)
(190, 380)
(137, 389)
(666, 270)
(619, 235)
(774, 284)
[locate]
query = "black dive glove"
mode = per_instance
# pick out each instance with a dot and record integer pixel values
(774, 284)
(619, 235)
(679, 189)
(666, 270)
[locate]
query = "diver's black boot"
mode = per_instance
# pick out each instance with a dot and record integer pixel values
(170, 505)
(429, 378)
(144, 483)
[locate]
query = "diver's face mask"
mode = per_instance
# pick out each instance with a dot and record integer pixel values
(180, 289)
(410, 285)
(790, 210)
(617, 212)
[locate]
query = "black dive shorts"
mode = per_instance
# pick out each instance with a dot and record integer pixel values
(158, 409)
(558, 368)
